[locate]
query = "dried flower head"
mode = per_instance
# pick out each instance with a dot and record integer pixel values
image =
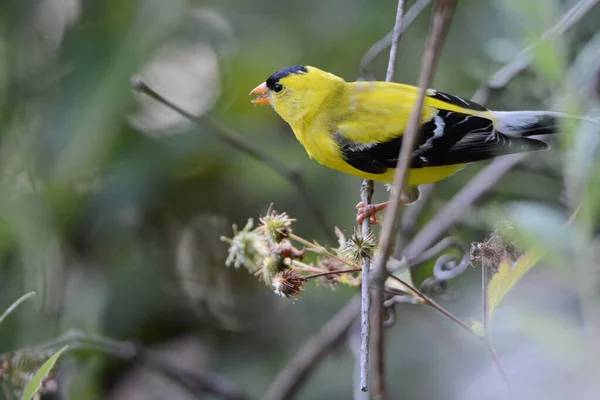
(288, 283)
(359, 247)
(276, 227)
(495, 248)
(247, 248)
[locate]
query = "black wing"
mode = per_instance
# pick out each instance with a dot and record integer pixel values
(447, 139)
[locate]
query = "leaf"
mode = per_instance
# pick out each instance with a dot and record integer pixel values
(35, 383)
(405, 275)
(507, 277)
(15, 305)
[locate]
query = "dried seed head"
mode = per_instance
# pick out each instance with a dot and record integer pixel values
(276, 226)
(288, 283)
(247, 248)
(495, 248)
(359, 247)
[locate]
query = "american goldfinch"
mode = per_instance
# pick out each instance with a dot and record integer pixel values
(357, 127)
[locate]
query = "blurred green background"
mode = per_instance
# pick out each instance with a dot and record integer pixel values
(112, 205)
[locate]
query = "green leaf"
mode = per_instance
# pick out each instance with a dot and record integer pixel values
(507, 277)
(15, 305)
(35, 383)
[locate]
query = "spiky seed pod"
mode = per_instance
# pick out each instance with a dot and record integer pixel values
(359, 247)
(288, 283)
(276, 227)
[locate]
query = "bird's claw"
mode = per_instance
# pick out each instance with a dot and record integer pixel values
(366, 210)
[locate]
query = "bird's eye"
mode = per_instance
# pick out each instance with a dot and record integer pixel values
(277, 88)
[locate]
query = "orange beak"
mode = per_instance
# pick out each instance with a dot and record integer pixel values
(263, 94)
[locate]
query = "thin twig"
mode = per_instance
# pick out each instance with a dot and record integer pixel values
(320, 250)
(236, 141)
(366, 193)
(441, 19)
(16, 304)
(379, 280)
(426, 300)
(289, 380)
(194, 382)
(327, 273)
(396, 33)
(413, 12)
(505, 74)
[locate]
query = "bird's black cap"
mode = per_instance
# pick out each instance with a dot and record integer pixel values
(282, 73)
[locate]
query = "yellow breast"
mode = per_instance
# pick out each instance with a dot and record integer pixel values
(323, 148)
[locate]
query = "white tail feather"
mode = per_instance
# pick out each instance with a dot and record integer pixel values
(525, 123)
(516, 122)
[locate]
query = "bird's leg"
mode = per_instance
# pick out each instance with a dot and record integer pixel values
(369, 211)
(409, 196)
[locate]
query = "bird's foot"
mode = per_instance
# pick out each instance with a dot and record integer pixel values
(369, 211)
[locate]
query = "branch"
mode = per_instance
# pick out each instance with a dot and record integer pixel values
(366, 193)
(193, 381)
(396, 34)
(236, 141)
(377, 313)
(441, 19)
(312, 352)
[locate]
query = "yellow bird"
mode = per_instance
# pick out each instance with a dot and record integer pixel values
(357, 127)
